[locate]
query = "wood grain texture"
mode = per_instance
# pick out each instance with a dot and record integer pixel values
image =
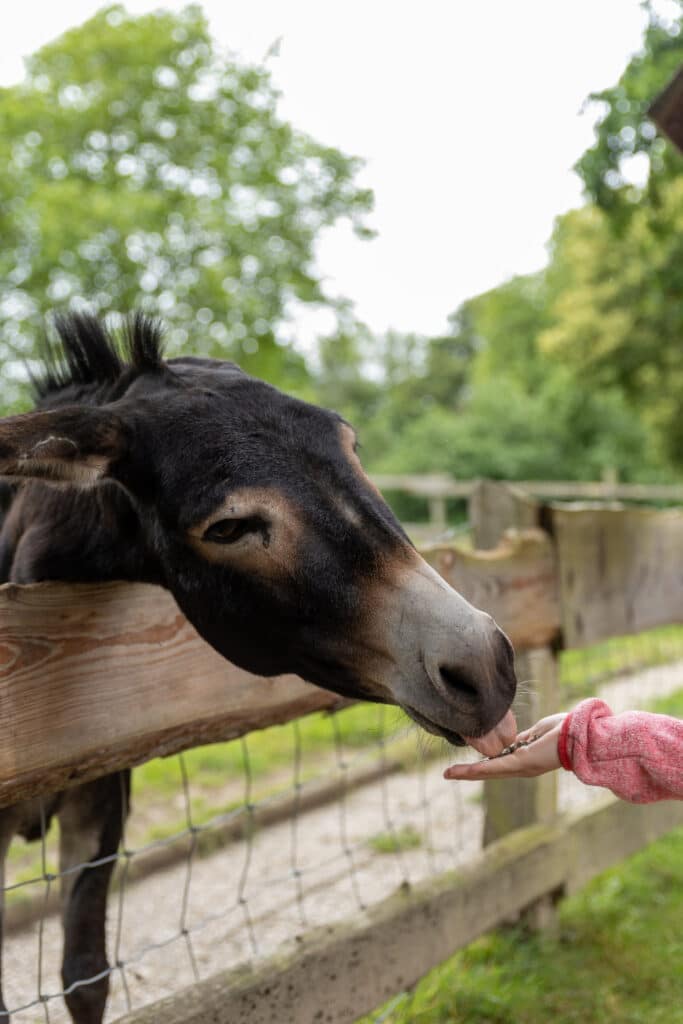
(97, 677)
(621, 570)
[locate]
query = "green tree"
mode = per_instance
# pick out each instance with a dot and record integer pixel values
(615, 280)
(145, 168)
(623, 131)
(382, 383)
(618, 309)
(504, 432)
(506, 322)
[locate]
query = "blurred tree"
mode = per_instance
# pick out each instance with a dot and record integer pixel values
(382, 383)
(629, 162)
(618, 309)
(507, 321)
(449, 360)
(615, 280)
(580, 367)
(144, 168)
(504, 432)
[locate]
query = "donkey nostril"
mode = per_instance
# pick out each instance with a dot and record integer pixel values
(457, 681)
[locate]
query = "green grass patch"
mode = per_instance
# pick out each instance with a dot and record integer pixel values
(615, 958)
(582, 670)
(671, 705)
(396, 840)
(268, 751)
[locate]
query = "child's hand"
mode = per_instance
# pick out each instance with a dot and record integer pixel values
(538, 757)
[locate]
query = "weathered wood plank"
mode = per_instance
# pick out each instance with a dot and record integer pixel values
(360, 964)
(515, 582)
(95, 677)
(621, 570)
(510, 804)
(496, 507)
(516, 803)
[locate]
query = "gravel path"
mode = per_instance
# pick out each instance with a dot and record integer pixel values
(246, 899)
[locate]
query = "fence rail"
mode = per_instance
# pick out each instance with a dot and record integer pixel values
(440, 485)
(437, 488)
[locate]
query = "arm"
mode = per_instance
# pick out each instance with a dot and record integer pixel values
(639, 756)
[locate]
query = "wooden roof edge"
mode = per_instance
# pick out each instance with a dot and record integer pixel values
(666, 110)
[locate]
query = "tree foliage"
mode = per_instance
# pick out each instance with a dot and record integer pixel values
(145, 168)
(616, 271)
(578, 368)
(626, 141)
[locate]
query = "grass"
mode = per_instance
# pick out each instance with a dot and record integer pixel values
(615, 958)
(268, 751)
(671, 705)
(407, 838)
(582, 670)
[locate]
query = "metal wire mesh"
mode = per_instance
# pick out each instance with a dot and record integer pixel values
(232, 850)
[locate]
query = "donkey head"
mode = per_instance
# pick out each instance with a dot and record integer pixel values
(260, 520)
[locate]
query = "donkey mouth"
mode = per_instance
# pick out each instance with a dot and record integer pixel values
(454, 738)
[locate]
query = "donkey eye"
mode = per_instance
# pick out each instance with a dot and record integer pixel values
(227, 531)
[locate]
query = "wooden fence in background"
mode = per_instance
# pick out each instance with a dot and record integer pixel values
(437, 488)
(95, 678)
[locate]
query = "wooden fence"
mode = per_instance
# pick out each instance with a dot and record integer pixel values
(437, 488)
(95, 678)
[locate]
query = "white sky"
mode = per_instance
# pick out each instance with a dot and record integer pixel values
(467, 113)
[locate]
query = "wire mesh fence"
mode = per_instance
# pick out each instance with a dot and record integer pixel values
(233, 849)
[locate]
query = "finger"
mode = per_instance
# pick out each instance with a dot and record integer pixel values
(525, 735)
(542, 727)
(495, 768)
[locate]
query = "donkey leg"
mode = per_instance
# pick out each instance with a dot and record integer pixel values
(91, 822)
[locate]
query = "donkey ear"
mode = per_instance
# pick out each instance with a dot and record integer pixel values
(76, 444)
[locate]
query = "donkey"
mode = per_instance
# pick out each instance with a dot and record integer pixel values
(253, 509)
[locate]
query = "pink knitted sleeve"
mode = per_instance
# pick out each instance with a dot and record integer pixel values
(639, 756)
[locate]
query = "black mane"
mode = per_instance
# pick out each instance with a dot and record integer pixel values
(87, 352)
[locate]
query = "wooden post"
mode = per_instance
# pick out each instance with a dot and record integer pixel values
(515, 803)
(610, 479)
(496, 507)
(438, 517)
(512, 804)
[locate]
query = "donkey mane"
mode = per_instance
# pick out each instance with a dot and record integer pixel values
(87, 352)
